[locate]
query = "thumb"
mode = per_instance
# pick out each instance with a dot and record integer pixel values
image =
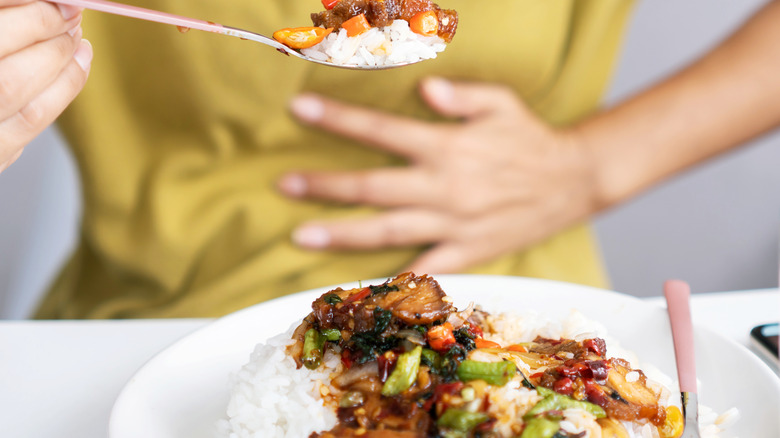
(468, 100)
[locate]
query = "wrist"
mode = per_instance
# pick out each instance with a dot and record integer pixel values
(590, 170)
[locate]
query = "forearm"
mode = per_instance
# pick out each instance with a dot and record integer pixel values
(729, 96)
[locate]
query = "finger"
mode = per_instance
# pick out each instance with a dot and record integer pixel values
(392, 229)
(13, 159)
(380, 187)
(23, 126)
(26, 74)
(460, 99)
(6, 3)
(407, 137)
(25, 25)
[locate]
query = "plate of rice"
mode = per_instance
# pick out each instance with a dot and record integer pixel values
(489, 356)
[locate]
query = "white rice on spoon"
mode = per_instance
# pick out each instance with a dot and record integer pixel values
(389, 45)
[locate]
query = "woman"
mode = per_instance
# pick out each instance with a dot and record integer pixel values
(183, 140)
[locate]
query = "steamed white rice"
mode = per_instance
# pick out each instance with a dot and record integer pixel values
(393, 44)
(271, 398)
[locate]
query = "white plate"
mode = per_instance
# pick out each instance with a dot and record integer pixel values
(183, 391)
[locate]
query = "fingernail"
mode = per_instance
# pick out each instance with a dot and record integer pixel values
(307, 108)
(83, 55)
(68, 11)
(293, 185)
(76, 27)
(311, 236)
(439, 88)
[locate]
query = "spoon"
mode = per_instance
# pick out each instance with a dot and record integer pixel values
(184, 24)
(678, 295)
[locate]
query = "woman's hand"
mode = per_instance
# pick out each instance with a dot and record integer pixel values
(495, 181)
(43, 65)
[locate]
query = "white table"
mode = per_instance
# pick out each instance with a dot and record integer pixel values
(60, 378)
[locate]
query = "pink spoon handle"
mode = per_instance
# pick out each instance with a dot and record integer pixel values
(184, 23)
(677, 295)
(144, 14)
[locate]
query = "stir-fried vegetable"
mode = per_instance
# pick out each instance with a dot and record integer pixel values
(494, 373)
(404, 374)
(356, 25)
(408, 367)
(440, 337)
(364, 293)
(518, 348)
(540, 428)
(301, 37)
(431, 358)
(331, 334)
(329, 4)
(332, 299)
(461, 420)
(553, 401)
(425, 23)
(484, 343)
(313, 342)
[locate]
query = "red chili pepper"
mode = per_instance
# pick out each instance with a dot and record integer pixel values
(440, 337)
(599, 369)
(484, 343)
(595, 346)
(564, 386)
(329, 4)
(358, 296)
(301, 37)
(567, 371)
(474, 330)
(346, 359)
(386, 363)
(356, 25)
(595, 394)
(425, 23)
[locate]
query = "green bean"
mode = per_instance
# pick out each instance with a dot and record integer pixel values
(553, 401)
(404, 374)
(462, 421)
(595, 410)
(313, 342)
(494, 373)
(540, 428)
(331, 334)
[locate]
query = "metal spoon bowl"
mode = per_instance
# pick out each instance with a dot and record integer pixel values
(185, 23)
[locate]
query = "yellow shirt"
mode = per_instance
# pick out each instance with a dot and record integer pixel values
(180, 138)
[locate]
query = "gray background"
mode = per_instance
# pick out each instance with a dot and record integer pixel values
(716, 227)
